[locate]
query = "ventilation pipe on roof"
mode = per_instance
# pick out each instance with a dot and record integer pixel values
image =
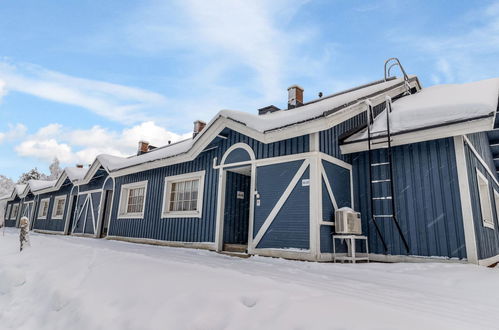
(79, 165)
(199, 125)
(143, 147)
(295, 96)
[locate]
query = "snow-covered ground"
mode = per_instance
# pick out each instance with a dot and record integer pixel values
(82, 283)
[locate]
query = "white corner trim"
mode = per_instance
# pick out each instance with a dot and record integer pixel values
(465, 197)
(169, 180)
(123, 204)
(280, 203)
(315, 204)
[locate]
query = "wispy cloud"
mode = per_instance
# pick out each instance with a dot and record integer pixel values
(115, 102)
(14, 132)
(83, 145)
(463, 54)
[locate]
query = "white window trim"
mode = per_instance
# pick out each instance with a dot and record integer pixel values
(40, 208)
(54, 207)
(486, 222)
(166, 195)
(123, 205)
(496, 200)
(12, 211)
(7, 211)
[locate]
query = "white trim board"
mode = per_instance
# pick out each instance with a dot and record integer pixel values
(465, 197)
(422, 135)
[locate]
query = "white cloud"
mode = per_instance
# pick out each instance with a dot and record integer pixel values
(466, 53)
(14, 132)
(82, 146)
(116, 102)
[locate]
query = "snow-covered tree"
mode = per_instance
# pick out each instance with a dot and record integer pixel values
(31, 174)
(6, 185)
(55, 169)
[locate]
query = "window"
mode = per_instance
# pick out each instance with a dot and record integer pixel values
(44, 208)
(183, 195)
(485, 203)
(15, 211)
(496, 199)
(132, 200)
(7, 212)
(58, 210)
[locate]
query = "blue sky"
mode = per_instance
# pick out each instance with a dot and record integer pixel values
(79, 78)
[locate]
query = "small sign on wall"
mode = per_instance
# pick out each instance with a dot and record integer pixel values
(305, 182)
(240, 195)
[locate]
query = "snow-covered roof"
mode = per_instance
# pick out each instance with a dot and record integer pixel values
(75, 173)
(41, 184)
(280, 119)
(437, 105)
(112, 163)
(260, 123)
(19, 188)
(4, 197)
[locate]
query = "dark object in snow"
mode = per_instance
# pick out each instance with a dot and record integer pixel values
(24, 233)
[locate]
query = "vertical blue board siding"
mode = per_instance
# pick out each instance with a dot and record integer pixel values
(271, 182)
(236, 215)
(487, 239)
(49, 223)
(237, 155)
(329, 139)
(339, 181)
(202, 229)
(427, 200)
(291, 226)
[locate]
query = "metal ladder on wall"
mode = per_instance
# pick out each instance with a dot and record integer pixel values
(382, 204)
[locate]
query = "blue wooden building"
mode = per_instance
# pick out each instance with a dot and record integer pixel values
(419, 164)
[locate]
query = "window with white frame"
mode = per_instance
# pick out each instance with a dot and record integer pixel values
(43, 209)
(496, 199)
(485, 201)
(132, 200)
(7, 212)
(183, 195)
(15, 211)
(58, 209)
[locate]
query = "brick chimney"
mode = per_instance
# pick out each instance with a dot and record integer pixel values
(198, 127)
(295, 96)
(79, 165)
(143, 147)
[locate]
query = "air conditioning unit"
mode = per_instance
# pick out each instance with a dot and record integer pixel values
(347, 221)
